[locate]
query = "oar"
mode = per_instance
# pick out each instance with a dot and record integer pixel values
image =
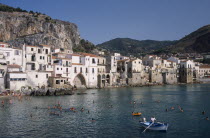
(148, 127)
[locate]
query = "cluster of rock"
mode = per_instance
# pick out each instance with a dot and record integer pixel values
(48, 91)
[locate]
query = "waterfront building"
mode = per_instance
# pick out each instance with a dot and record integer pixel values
(169, 72)
(112, 61)
(3, 70)
(204, 71)
(9, 55)
(186, 71)
(15, 78)
(38, 65)
(136, 72)
(174, 59)
(152, 61)
(76, 69)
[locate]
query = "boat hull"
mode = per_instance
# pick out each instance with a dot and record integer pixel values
(156, 126)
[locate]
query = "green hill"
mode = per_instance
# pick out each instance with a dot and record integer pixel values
(128, 46)
(197, 41)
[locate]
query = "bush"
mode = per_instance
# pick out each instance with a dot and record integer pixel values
(6, 8)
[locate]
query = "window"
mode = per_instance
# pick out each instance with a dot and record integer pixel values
(46, 75)
(80, 69)
(61, 80)
(8, 54)
(86, 70)
(16, 52)
(40, 57)
(93, 61)
(57, 68)
(32, 49)
(46, 51)
(39, 50)
(36, 76)
(61, 68)
(75, 69)
(43, 57)
(92, 70)
(67, 70)
(57, 82)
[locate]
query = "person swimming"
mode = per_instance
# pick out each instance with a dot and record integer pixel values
(93, 120)
(172, 108)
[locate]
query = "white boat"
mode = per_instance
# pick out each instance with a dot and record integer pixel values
(158, 126)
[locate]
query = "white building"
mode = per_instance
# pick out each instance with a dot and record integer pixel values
(15, 77)
(204, 71)
(9, 55)
(38, 65)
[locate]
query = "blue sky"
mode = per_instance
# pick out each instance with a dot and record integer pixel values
(102, 20)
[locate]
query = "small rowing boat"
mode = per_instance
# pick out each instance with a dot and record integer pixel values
(136, 114)
(158, 126)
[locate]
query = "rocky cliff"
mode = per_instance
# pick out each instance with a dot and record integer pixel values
(35, 28)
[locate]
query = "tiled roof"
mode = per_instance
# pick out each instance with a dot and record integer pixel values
(59, 77)
(4, 43)
(122, 60)
(77, 64)
(54, 57)
(88, 54)
(17, 48)
(204, 66)
(13, 66)
(75, 55)
(17, 72)
(65, 58)
(59, 53)
(169, 61)
(30, 46)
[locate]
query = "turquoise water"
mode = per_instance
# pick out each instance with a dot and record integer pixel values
(115, 121)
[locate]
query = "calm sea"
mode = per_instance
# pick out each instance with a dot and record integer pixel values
(111, 111)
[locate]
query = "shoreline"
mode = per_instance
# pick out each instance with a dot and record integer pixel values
(62, 92)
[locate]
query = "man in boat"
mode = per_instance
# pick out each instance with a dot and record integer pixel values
(153, 119)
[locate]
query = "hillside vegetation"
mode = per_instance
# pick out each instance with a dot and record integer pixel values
(197, 41)
(129, 46)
